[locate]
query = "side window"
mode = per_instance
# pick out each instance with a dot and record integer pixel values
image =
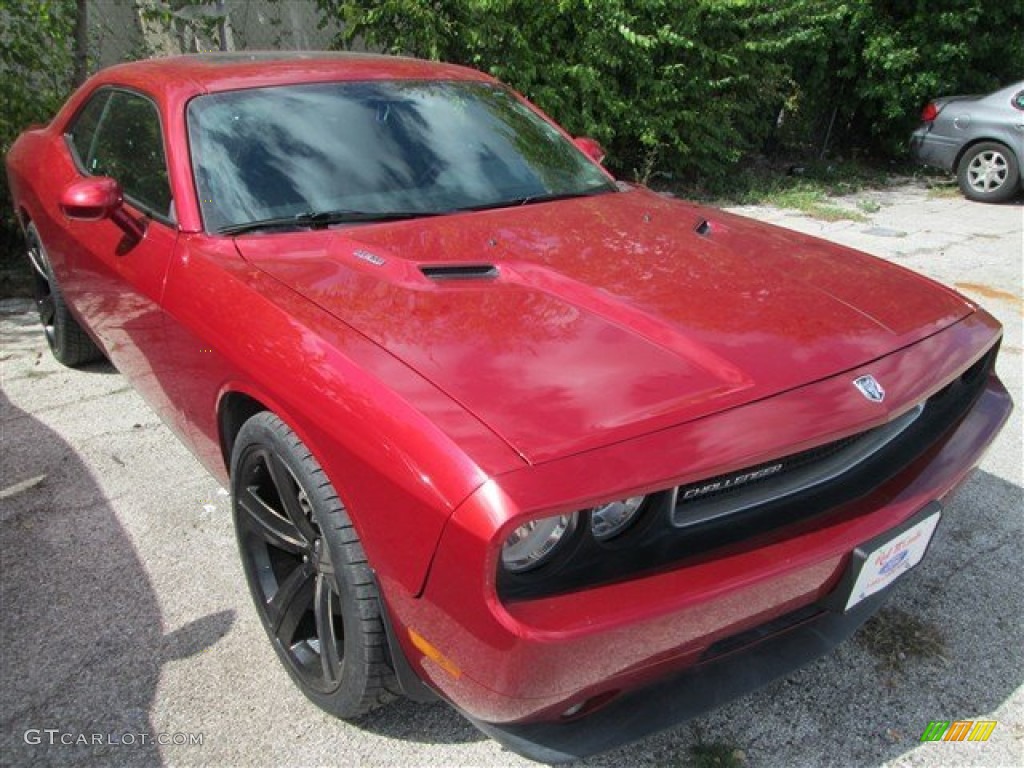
(83, 131)
(125, 143)
(1018, 100)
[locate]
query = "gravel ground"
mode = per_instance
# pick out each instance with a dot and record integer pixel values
(124, 610)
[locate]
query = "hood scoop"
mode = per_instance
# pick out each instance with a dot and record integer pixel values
(443, 272)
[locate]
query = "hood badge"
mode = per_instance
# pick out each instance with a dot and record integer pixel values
(870, 388)
(372, 258)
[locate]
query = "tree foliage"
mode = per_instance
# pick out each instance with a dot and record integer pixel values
(676, 80)
(36, 70)
(872, 64)
(695, 84)
(36, 66)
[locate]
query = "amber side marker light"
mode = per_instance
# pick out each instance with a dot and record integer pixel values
(434, 655)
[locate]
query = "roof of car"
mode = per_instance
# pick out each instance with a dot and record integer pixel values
(208, 72)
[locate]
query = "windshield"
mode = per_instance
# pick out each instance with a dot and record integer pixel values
(403, 148)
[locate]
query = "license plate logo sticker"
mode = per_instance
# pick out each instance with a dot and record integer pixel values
(891, 560)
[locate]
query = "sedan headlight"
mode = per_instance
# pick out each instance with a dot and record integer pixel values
(611, 519)
(534, 542)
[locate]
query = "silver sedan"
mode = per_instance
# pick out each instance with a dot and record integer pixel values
(979, 138)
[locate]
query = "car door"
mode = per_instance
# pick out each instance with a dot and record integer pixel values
(117, 278)
(1017, 123)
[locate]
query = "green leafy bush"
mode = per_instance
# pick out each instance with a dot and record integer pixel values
(35, 79)
(682, 82)
(866, 67)
(690, 86)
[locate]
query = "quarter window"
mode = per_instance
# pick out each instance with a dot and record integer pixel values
(118, 135)
(1018, 100)
(83, 132)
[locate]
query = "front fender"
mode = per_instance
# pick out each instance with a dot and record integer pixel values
(400, 454)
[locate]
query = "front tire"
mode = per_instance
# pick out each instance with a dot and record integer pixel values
(68, 342)
(988, 173)
(307, 572)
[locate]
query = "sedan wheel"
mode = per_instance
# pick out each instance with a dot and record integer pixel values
(988, 173)
(307, 572)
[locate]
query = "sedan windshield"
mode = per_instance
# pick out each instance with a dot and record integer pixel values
(320, 154)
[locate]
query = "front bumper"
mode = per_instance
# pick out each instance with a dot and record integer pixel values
(689, 638)
(644, 711)
(734, 667)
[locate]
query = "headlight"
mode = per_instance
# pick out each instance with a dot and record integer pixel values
(611, 519)
(534, 542)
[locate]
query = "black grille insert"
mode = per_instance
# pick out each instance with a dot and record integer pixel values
(728, 494)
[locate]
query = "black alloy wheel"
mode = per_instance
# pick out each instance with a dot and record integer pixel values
(307, 572)
(69, 344)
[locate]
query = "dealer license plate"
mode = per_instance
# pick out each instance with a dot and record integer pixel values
(886, 562)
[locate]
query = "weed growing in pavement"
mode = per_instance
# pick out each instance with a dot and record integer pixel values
(717, 755)
(893, 636)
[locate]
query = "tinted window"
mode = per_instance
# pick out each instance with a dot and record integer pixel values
(123, 140)
(376, 147)
(83, 131)
(1018, 100)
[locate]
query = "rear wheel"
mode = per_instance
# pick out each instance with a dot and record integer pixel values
(988, 173)
(69, 344)
(307, 572)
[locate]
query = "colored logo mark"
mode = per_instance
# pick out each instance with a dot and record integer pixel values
(958, 730)
(892, 563)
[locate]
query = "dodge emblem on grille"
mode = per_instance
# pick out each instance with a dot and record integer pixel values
(870, 388)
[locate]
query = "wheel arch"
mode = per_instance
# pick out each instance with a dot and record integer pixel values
(982, 140)
(234, 409)
(236, 406)
(399, 478)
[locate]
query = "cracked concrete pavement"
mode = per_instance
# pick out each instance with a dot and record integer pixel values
(124, 609)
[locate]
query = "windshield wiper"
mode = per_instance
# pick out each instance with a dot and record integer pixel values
(321, 219)
(549, 198)
(542, 198)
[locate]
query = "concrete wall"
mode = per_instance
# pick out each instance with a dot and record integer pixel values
(121, 30)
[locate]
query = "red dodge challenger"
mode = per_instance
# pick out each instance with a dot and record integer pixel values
(579, 459)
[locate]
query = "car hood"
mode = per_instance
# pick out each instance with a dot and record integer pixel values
(568, 325)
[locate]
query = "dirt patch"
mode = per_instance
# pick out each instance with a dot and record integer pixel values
(989, 292)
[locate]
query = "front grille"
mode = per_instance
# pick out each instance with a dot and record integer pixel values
(789, 464)
(675, 526)
(707, 500)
